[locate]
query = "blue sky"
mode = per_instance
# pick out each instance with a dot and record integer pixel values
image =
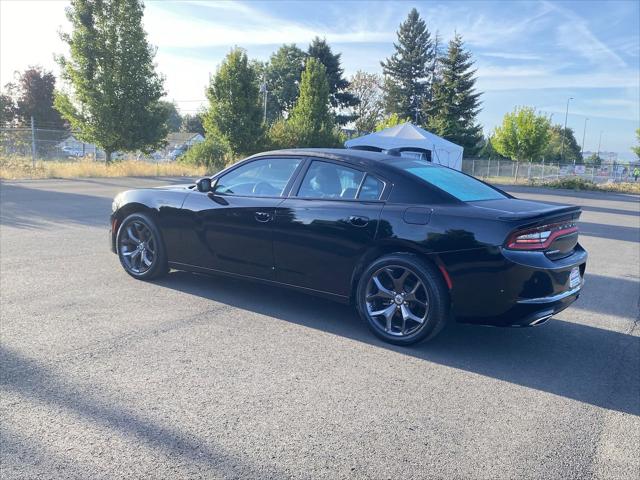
(536, 53)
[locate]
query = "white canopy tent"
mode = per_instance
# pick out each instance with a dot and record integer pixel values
(409, 137)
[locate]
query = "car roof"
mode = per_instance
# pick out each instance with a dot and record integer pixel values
(364, 158)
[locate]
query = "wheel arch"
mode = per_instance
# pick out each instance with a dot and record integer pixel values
(123, 212)
(378, 251)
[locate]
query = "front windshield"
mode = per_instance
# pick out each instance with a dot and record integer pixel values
(459, 185)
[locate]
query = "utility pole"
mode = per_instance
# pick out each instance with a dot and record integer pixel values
(263, 90)
(33, 143)
(599, 144)
(584, 131)
(566, 114)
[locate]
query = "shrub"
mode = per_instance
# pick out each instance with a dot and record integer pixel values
(573, 183)
(214, 153)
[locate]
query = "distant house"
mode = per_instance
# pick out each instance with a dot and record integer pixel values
(180, 139)
(71, 146)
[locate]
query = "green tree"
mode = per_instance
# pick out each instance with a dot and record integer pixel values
(407, 71)
(455, 103)
(192, 124)
(488, 150)
(116, 90)
(34, 92)
(572, 151)
(390, 121)
(636, 149)
(594, 160)
(339, 95)
(7, 109)
(367, 88)
(174, 120)
(523, 135)
(234, 105)
(214, 153)
(283, 74)
(311, 123)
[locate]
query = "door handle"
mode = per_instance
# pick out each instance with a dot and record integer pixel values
(263, 217)
(358, 221)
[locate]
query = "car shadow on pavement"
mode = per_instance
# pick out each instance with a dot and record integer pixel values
(24, 207)
(37, 382)
(610, 296)
(580, 362)
(612, 232)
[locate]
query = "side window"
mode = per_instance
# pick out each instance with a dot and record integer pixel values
(371, 189)
(267, 177)
(328, 180)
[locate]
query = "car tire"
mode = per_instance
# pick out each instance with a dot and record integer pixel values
(380, 296)
(140, 247)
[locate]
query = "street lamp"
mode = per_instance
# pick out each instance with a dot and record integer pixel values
(566, 114)
(584, 131)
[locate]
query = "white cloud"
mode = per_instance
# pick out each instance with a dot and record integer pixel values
(260, 29)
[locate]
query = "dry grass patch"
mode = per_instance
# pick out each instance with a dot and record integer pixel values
(22, 168)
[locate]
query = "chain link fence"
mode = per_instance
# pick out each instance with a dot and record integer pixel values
(510, 171)
(43, 144)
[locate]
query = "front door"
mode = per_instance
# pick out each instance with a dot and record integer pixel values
(323, 229)
(233, 225)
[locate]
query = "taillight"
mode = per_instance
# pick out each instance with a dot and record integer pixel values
(541, 237)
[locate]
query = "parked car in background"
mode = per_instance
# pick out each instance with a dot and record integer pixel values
(411, 244)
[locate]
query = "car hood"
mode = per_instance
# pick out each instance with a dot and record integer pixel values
(179, 186)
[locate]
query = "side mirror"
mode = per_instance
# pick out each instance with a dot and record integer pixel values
(204, 184)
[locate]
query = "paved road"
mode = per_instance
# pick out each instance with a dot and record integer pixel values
(103, 376)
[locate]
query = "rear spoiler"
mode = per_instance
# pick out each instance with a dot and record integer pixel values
(546, 213)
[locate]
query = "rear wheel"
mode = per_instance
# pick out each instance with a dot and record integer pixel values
(403, 299)
(140, 247)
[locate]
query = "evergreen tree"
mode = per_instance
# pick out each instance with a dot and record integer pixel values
(116, 91)
(311, 123)
(234, 111)
(455, 104)
(283, 80)
(407, 71)
(339, 95)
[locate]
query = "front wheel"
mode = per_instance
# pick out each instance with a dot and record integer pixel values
(403, 299)
(140, 247)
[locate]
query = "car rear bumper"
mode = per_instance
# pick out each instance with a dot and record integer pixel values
(516, 289)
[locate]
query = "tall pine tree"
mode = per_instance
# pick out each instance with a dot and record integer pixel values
(455, 103)
(339, 95)
(408, 71)
(311, 122)
(115, 86)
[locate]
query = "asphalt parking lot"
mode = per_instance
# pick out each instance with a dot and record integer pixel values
(103, 376)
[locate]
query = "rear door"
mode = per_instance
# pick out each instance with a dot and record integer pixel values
(325, 225)
(233, 225)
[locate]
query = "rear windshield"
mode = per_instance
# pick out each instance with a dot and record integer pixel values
(461, 186)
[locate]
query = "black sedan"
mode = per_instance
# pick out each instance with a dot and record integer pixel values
(411, 244)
